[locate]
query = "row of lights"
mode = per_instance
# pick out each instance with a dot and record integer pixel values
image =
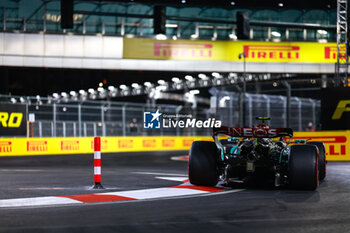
(321, 32)
(153, 90)
(280, 4)
(193, 36)
(275, 34)
(137, 89)
(188, 82)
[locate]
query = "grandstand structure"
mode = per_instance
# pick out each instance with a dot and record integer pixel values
(113, 58)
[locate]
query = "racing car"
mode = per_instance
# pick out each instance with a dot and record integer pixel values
(260, 152)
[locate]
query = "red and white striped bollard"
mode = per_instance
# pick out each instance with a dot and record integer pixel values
(97, 163)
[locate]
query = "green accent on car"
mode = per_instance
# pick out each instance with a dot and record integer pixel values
(301, 141)
(263, 118)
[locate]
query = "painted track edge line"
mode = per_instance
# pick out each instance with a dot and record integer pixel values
(110, 197)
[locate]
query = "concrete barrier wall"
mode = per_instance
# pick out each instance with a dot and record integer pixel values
(337, 144)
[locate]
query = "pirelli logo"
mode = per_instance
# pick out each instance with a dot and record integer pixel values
(5, 146)
(187, 142)
(335, 145)
(37, 146)
(149, 143)
(168, 142)
(70, 145)
(273, 52)
(182, 50)
(126, 143)
(104, 144)
(330, 52)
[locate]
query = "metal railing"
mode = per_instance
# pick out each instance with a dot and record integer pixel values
(303, 110)
(142, 25)
(103, 118)
(108, 118)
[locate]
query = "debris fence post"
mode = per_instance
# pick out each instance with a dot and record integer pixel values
(97, 163)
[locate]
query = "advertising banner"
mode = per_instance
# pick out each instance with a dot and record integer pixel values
(336, 143)
(12, 119)
(283, 52)
(48, 146)
(335, 109)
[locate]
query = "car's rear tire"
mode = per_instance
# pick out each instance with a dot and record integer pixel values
(303, 167)
(202, 167)
(322, 162)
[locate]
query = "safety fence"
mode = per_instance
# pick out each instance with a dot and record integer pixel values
(336, 142)
(108, 119)
(293, 112)
(66, 118)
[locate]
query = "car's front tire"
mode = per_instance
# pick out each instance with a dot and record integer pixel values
(303, 167)
(202, 167)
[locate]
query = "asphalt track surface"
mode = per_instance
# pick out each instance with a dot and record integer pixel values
(248, 210)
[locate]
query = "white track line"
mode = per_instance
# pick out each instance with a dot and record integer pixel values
(172, 178)
(159, 174)
(157, 193)
(36, 201)
(181, 191)
(20, 170)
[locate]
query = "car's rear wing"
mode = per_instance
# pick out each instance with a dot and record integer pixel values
(259, 132)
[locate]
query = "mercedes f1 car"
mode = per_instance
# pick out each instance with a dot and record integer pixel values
(260, 152)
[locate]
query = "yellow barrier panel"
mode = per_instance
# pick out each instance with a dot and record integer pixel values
(336, 142)
(205, 50)
(45, 146)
